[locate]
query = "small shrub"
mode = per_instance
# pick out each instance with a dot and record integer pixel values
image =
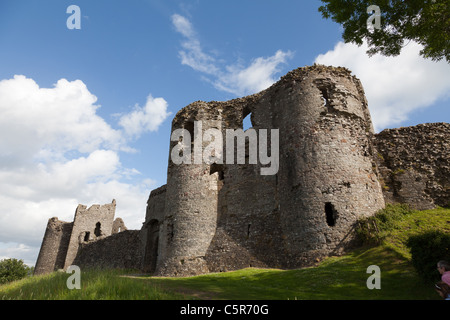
(370, 230)
(426, 250)
(12, 269)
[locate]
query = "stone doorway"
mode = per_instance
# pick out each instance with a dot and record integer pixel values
(151, 246)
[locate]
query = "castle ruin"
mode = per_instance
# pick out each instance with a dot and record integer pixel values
(211, 217)
(62, 240)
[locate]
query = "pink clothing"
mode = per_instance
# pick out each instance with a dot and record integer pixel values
(446, 277)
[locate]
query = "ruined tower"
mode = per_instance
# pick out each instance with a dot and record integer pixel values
(326, 179)
(283, 194)
(222, 216)
(191, 213)
(89, 224)
(62, 239)
(52, 254)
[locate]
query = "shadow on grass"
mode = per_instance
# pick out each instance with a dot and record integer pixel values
(337, 278)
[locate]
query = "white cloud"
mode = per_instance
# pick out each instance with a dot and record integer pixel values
(234, 78)
(57, 152)
(256, 77)
(192, 54)
(394, 86)
(183, 25)
(147, 118)
(27, 253)
(50, 121)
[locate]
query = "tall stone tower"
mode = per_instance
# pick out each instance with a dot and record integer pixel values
(225, 216)
(52, 254)
(327, 178)
(192, 195)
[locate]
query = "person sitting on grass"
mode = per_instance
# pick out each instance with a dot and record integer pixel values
(444, 269)
(443, 289)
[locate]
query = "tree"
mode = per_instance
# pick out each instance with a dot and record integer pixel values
(426, 22)
(12, 269)
(426, 250)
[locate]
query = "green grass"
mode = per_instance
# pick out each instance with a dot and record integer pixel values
(95, 285)
(335, 278)
(416, 223)
(397, 223)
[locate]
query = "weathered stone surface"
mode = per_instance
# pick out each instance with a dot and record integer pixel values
(89, 224)
(332, 171)
(118, 226)
(62, 240)
(52, 254)
(415, 164)
(149, 234)
(326, 180)
(118, 251)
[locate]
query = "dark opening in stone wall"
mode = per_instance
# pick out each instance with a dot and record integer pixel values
(331, 214)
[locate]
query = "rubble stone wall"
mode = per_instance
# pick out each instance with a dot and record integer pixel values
(414, 163)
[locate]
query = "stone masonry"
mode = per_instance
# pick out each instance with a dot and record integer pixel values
(327, 179)
(63, 240)
(211, 217)
(415, 165)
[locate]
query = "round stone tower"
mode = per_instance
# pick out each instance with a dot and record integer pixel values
(327, 177)
(192, 194)
(223, 216)
(54, 246)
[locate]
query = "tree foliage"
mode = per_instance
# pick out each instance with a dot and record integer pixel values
(373, 229)
(12, 269)
(426, 22)
(426, 250)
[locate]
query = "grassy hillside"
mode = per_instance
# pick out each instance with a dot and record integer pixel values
(335, 278)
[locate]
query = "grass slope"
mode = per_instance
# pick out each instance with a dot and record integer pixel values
(95, 285)
(335, 278)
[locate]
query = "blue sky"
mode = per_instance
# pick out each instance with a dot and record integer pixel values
(85, 114)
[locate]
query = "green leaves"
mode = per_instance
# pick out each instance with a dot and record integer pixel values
(12, 269)
(426, 22)
(426, 250)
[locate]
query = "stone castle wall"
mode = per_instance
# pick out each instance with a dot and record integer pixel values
(149, 234)
(52, 254)
(227, 216)
(119, 251)
(415, 164)
(89, 224)
(62, 240)
(212, 217)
